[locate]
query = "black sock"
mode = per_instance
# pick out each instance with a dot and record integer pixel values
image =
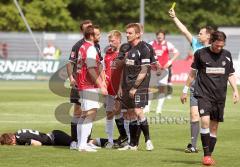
(212, 143)
(138, 134)
(74, 131)
(120, 125)
(145, 128)
(133, 127)
(205, 143)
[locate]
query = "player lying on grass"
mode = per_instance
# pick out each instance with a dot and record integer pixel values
(36, 138)
(54, 138)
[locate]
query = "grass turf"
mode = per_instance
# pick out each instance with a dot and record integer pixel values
(32, 105)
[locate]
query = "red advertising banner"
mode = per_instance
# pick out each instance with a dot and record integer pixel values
(180, 70)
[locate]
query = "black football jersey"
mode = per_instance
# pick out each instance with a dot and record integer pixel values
(138, 56)
(24, 137)
(213, 72)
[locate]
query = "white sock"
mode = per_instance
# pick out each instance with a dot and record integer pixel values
(161, 99)
(126, 126)
(78, 135)
(80, 122)
(85, 132)
(109, 130)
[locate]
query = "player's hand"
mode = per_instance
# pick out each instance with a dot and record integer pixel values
(103, 90)
(172, 13)
(183, 98)
(159, 72)
(235, 97)
(132, 92)
(73, 82)
(168, 64)
(119, 92)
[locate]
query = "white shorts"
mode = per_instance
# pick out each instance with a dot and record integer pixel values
(89, 99)
(110, 102)
(163, 78)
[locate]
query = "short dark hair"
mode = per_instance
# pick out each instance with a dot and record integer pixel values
(88, 32)
(84, 22)
(218, 36)
(96, 27)
(209, 29)
(161, 31)
(135, 26)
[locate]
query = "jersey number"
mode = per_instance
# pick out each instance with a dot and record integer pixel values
(35, 132)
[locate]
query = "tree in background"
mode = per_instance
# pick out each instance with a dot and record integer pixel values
(65, 15)
(41, 15)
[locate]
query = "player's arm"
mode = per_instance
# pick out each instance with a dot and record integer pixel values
(180, 25)
(102, 74)
(175, 53)
(119, 92)
(191, 77)
(232, 81)
(69, 68)
(140, 78)
(35, 143)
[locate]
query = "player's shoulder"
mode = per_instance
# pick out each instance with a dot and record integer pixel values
(226, 52)
(78, 44)
(202, 50)
(145, 46)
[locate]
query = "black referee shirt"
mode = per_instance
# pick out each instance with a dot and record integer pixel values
(213, 72)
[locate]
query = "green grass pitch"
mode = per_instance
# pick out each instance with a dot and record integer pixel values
(32, 105)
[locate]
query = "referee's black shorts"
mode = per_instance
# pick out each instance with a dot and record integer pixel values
(214, 109)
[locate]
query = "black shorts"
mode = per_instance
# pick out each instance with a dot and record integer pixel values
(139, 101)
(74, 96)
(214, 109)
(60, 138)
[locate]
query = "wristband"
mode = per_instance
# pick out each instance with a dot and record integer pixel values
(185, 89)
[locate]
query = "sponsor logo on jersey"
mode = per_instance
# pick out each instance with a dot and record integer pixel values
(133, 55)
(145, 60)
(215, 70)
(201, 111)
(129, 62)
(158, 52)
(223, 63)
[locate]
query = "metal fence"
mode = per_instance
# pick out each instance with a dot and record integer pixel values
(21, 45)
